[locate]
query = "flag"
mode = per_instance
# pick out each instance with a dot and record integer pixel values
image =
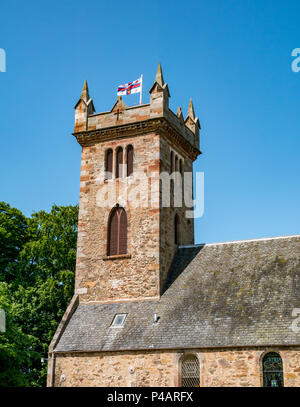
(131, 87)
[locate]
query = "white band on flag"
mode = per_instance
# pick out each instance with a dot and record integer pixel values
(131, 87)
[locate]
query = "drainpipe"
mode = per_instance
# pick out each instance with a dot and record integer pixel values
(52, 365)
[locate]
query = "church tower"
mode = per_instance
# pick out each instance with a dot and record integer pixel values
(128, 229)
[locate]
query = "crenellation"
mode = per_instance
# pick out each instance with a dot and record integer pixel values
(87, 120)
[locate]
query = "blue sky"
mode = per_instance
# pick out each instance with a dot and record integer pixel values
(232, 57)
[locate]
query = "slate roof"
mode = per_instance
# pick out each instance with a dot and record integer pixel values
(217, 295)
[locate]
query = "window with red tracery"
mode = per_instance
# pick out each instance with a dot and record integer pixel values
(117, 232)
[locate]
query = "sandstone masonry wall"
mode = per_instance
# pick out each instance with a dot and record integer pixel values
(167, 215)
(134, 276)
(218, 368)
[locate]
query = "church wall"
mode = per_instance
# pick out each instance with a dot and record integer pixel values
(291, 363)
(115, 369)
(218, 368)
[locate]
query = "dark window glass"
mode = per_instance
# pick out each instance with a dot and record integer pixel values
(171, 162)
(176, 229)
(129, 160)
(272, 370)
(119, 163)
(109, 164)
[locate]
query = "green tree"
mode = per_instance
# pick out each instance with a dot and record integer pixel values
(51, 245)
(13, 236)
(16, 348)
(41, 287)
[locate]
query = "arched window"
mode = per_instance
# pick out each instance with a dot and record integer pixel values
(176, 229)
(117, 232)
(176, 163)
(180, 167)
(119, 162)
(108, 164)
(129, 160)
(272, 370)
(190, 371)
(171, 162)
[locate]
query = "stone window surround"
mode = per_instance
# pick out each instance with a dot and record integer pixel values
(260, 361)
(117, 257)
(127, 255)
(179, 158)
(124, 151)
(178, 362)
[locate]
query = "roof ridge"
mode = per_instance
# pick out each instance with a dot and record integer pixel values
(237, 241)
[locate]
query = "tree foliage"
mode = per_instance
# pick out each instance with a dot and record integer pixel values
(13, 236)
(37, 267)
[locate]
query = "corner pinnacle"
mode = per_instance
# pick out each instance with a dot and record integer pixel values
(191, 112)
(179, 113)
(159, 76)
(85, 92)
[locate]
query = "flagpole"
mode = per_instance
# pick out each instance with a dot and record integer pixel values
(141, 89)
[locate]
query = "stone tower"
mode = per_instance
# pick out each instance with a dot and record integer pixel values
(125, 151)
